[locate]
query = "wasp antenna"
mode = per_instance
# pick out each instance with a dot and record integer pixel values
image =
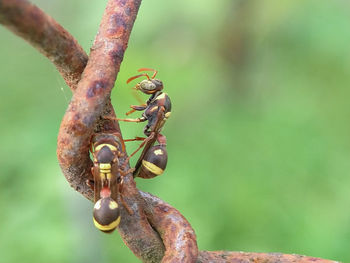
(149, 69)
(145, 69)
(137, 76)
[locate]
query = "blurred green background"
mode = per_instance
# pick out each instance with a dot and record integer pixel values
(258, 141)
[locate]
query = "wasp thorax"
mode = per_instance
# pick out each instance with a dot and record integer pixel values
(150, 86)
(105, 155)
(106, 214)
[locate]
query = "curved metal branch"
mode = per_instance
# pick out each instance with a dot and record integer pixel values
(93, 92)
(87, 108)
(242, 257)
(45, 34)
(176, 232)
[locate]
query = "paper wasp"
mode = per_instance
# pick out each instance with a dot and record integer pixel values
(107, 180)
(156, 111)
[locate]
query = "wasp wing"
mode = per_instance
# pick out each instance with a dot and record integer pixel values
(97, 184)
(151, 140)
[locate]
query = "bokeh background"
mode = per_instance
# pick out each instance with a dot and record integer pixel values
(258, 141)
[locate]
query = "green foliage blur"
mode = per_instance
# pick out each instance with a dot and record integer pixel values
(258, 140)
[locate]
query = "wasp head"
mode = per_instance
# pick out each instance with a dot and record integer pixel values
(150, 86)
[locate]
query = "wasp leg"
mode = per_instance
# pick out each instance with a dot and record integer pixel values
(142, 119)
(122, 173)
(110, 118)
(116, 158)
(141, 145)
(135, 139)
(130, 111)
(136, 108)
(127, 207)
(91, 148)
(90, 183)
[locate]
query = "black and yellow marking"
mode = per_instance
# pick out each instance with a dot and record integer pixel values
(162, 96)
(105, 170)
(104, 158)
(106, 215)
(105, 153)
(154, 162)
(152, 168)
(167, 115)
(157, 110)
(110, 146)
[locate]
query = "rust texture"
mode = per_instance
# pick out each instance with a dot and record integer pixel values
(176, 232)
(93, 92)
(242, 257)
(136, 231)
(45, 34)
(155, 231)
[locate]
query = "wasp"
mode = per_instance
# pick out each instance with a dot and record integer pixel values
(107, 180)
(156, 111)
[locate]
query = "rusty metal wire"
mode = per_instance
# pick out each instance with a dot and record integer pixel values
(86, 109)
(242, 257)
(176, 232)
(32, 24)
(156, 232)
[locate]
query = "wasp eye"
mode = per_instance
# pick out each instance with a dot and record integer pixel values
(147, 86)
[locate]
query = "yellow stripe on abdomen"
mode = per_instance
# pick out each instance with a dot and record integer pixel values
(108, 227)
(152, 167)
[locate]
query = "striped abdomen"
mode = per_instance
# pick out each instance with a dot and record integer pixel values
(106, 214)
(154, 162)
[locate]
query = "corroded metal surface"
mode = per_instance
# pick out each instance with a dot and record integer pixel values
(45, 34)
(242, 257)
(88, 113)
(136, 231)
(93, 92)
(176, 232)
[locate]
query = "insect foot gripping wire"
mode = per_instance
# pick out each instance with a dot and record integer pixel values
(153, 159)
(107, 181)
